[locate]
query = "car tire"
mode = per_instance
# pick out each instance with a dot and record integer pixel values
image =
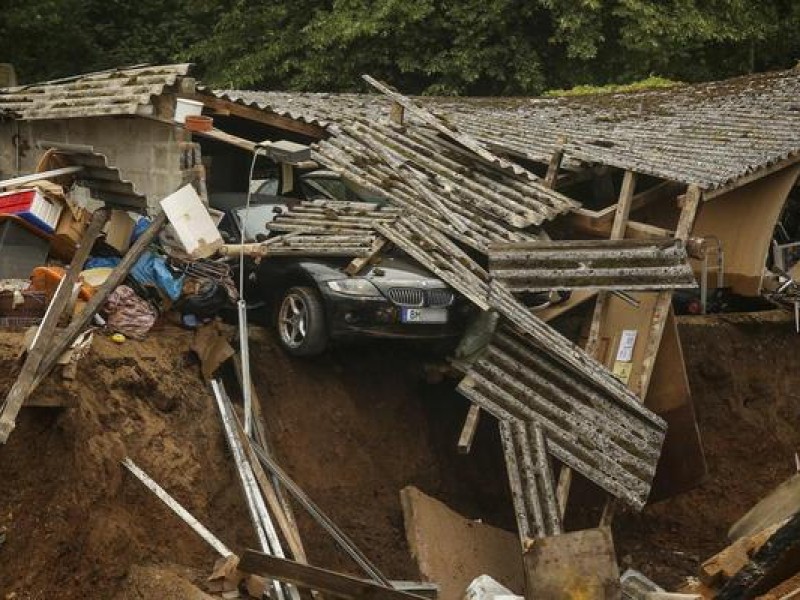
(300, 321)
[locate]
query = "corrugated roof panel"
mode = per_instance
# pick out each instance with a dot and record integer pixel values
(648, 264)
(708, 134)
(591, 421)
(126, 91)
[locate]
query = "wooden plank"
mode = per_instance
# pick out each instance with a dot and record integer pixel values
(581, 564)
(315, 578)
(718, 569)
(259, 115)
(35, 359)
(361, 262)
(226, 138)
(397, 113)
(177, 508)
(469, 429)
(555, 164)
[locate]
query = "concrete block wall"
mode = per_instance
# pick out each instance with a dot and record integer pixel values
(147, 152)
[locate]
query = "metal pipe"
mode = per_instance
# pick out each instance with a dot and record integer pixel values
(325, 522)
(265, 530)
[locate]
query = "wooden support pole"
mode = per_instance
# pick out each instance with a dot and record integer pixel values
(658, 321)
(25, 383)
(623, 211)
(554, 165)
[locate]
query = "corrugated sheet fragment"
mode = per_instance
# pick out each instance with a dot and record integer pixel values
(332, 217)
(585, 428)
(104, 181)
(646, 264)
(591, 420)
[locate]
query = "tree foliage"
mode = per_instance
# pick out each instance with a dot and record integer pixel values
(484, 47)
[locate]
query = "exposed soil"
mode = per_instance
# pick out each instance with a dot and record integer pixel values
(352, 427)
(744, 373)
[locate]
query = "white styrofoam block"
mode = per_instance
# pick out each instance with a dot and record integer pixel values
(193, 225)
(486, 588)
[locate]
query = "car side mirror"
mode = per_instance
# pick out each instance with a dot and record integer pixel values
(261, 237)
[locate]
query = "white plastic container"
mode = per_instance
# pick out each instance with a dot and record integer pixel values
(193, 226)
(185, 107)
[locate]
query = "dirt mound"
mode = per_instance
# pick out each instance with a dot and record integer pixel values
(356, 426)
(744, 373)
(74, 523)
(353, 428)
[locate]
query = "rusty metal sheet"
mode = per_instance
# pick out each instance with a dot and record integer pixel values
(648, 264)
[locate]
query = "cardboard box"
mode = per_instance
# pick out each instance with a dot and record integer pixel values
(118, 230)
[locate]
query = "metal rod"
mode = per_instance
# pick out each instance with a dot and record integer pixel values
(177, 508)
(267, 539)
(337, 534)
(244, 349)
(23, 179)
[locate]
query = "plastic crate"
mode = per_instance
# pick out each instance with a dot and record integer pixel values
(32, 206)
(20, 250)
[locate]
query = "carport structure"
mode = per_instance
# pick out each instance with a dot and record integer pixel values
(601, 195)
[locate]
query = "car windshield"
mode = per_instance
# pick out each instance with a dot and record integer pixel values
(257, 218)
(327, 185)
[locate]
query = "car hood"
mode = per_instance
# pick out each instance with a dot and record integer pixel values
(389, 272)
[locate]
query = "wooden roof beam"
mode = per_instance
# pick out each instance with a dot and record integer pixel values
(264, 117)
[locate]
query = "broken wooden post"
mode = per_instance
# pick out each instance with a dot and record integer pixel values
(469, 429)
(25, 382)
(555, 164)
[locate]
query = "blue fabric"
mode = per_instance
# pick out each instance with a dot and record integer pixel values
(152, 269)
(139, 227)
(95, 262)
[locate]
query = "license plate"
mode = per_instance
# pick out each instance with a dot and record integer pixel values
(424, 315)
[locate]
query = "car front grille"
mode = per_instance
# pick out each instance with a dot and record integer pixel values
(407, 296)
(419, 297)
(440, 297)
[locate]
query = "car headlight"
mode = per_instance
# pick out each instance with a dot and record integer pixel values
(355, 287)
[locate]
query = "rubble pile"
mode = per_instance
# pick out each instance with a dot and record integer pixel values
(542, 292)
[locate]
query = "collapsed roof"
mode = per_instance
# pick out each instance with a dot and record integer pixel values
(707, 134)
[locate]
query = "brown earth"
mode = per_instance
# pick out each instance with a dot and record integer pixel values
(744, 373)
(353, 428)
